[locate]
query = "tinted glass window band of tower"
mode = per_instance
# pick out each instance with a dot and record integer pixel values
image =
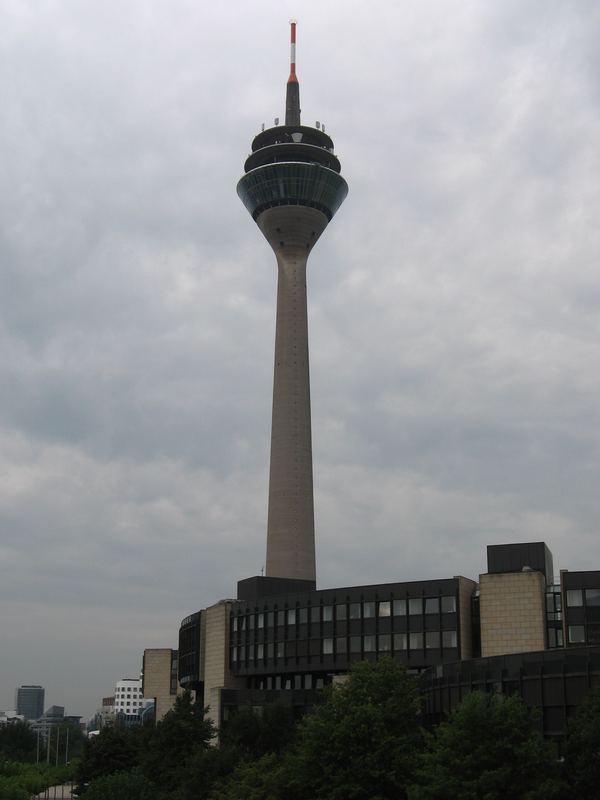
(292, 188)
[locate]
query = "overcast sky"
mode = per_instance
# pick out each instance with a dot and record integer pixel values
(454, 307)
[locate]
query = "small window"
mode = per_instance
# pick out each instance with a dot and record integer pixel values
(432, 605)
(280, 650)
(270, 619)
(449, 639)
(399, 608)
(369, 644)
(384, 643)
(384, 608)
(341, 611)
(432, 640)
(251, 622)
(302, 616)
(368, 609)
(415, 641)
(449, 604)
(308, 682)
(593, 633)
(574, 597)
(291, 615)
(354, 610)
(415, 605)
(327, 647)
(250, 653)
(355, 644)
(281, 618)
(235, 624)
(315, 614)
(270, 649)
(327, 613)
(234, 654)
(341, 644)
(260, 621)
(576, 634)
(400, 641)
(592, 597)
(260, 651)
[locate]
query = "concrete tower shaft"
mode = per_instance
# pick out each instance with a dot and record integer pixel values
(291, 231)
(292, 188)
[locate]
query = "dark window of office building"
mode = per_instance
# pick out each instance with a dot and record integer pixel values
(574, 597)
(384, 608)
(415, 605)
(576, 634)
(399, 608)
(592, 597)
(449, 638)
(432, 605)
(448, 605)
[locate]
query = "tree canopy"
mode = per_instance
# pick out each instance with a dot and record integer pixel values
(488, 750)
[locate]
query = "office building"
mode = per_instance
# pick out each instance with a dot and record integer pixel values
(29, 701)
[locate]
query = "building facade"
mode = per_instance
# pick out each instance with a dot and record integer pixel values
(29, 701)
(128, 697)
(159, 679)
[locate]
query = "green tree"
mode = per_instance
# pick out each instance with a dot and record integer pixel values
(362, 742)
(18, 742)
(251, 735)
(175, 741)
(113, 750)
(488, 750)
(263, 779)
(122, 786)
(582, 752)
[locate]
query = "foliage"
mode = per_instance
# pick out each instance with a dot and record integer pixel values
(21, 780)
(361, 743)
(113, 750)
(122, 786)
(263, 779)
(175, 741)
(251, 735)
(488, 750)
(18, 742)
(582, 752)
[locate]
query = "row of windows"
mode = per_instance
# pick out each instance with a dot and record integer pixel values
(584, 634)
(343, 611)
(288, 682)
(575, 597)
(384, 643)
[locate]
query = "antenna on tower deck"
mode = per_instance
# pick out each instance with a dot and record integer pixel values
(292, 98)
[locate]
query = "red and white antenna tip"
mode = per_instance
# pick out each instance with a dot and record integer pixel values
(292, 78)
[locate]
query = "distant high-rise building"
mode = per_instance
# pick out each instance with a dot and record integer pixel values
(29, 701)
(292, 187)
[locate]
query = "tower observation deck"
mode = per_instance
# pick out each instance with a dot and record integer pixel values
(292, 187)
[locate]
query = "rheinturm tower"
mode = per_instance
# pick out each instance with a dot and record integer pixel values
(292, 187)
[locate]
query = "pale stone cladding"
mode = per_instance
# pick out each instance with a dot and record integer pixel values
(215, 648)
(158, 680)
(512, 612)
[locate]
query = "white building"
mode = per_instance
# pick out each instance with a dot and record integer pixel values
(128, 696)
